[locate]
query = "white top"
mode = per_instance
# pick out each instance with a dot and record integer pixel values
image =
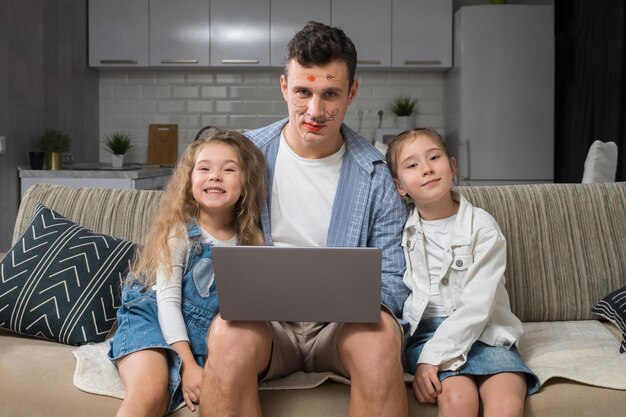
(471, 284)
(437, 237)
(303, 192)
(169, 286)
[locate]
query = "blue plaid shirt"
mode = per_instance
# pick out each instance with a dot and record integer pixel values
(367, 210)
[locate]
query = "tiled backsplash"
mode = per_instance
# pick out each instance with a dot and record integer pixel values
(130, 101)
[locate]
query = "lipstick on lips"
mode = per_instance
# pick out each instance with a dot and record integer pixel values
(313, 128)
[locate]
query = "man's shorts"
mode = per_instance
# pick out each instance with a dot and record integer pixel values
(308, 347)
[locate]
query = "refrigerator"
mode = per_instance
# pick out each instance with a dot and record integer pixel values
(500, 94)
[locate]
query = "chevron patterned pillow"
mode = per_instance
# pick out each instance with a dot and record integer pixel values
(613, 308)
(61, 282)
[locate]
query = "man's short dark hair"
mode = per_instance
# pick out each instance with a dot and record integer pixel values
(317, 44)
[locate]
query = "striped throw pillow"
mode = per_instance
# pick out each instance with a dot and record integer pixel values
(613, 308)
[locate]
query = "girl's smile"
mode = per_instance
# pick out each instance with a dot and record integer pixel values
(216, 178)
(431, 182)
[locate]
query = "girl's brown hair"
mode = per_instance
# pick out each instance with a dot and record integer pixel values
(396, 144)
(177, 206)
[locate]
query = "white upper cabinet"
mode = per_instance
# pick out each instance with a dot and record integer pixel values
(288, 17)
(240, 33)
(118, 33)
(422, 34)
(368, 24)
(179, 33)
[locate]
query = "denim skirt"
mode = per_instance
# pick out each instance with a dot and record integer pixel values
(138, 329)
(482, 359)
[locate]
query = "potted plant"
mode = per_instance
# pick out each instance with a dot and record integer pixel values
(54, 142)
(403, 107)
(118, 144)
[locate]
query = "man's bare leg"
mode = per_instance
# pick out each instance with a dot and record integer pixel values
(371, 353)
(237, 353)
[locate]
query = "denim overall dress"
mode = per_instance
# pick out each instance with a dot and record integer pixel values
(138, 322)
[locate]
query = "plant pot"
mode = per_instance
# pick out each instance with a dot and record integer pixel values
(404, 122)
(117, 161)
(53, 160)
(36, 159)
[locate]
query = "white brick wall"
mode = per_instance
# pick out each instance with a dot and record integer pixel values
(130, 101)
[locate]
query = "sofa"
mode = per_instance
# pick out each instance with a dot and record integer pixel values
(566, 252)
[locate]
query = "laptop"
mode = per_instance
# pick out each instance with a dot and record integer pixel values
(321, 284)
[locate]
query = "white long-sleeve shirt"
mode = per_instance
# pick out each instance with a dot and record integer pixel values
(471, 287)
(169, 285)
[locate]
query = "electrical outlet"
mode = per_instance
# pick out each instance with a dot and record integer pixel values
(3, 145)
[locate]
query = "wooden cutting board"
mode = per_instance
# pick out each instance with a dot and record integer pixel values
(163, 144)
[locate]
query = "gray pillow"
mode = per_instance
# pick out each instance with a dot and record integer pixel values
(61, 282)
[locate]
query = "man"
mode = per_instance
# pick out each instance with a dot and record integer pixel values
(328, 187)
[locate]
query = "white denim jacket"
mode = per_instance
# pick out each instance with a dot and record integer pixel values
(471, 286)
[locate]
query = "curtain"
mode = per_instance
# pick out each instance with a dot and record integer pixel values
(590, 82)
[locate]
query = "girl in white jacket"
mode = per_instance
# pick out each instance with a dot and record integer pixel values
(461, 347)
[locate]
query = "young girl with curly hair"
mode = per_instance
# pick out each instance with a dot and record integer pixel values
(169, 298)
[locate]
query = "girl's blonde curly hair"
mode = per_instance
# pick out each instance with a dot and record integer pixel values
(177, 206)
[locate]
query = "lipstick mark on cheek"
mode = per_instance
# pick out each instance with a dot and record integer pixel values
(310, 77)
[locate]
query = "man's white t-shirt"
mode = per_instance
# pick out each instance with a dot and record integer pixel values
(303, 192)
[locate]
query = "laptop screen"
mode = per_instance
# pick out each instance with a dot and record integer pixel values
(320, 284)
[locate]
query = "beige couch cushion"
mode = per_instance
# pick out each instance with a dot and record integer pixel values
(36, 380)
(125, 214)
(544, 225)
(565, 243)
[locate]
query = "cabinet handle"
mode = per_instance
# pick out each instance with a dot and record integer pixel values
(369, 61)
(422, 62)
(240, 61)
(179, 61)
(118, 61)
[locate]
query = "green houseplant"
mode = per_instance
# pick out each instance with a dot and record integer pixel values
(403, 107)
(54, 142)
(118, 144)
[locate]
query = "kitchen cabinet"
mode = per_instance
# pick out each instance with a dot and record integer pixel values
(240, 33)
(179, 33)
(404, 34)
(288, 17)
(118, 33)
(368, 24)
(421, 34)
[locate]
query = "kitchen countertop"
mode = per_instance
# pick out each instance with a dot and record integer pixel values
(98, 171)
